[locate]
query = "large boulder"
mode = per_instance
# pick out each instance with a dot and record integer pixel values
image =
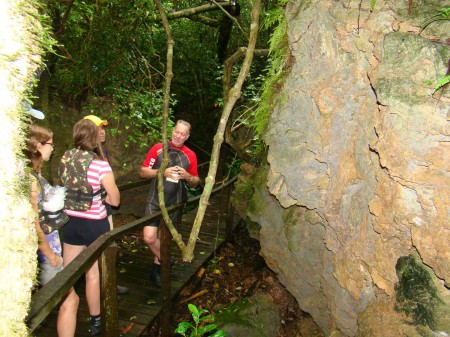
(257, 316)
(358, 171)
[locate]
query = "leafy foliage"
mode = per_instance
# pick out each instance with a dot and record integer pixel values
(140, 112)
(198, 328)
(116, 50)
(111, 48)
(442, 14)
(442, 82)
(275, 71)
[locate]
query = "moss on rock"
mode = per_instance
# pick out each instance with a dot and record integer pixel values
(416, 292)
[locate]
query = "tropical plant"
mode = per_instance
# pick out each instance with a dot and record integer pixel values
(200, 326)
(275, 71)
(441, 83)
(442, 14)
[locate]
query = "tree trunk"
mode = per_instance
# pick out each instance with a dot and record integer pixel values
(235, 92)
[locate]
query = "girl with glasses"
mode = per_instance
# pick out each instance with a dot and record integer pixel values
(39, 147)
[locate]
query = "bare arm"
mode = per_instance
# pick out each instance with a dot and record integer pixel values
(193, 181)
(43, 246)
(113, 194)
(147, 173)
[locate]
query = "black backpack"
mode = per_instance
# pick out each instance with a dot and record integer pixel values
(49, 221)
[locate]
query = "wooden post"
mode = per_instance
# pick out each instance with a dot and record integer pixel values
(108, 292)
(230, 215)
(165, 238)
(166, 261)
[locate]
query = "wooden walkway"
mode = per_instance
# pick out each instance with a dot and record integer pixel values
(139, 308)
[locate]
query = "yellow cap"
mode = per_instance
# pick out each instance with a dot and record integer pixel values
(97, 121)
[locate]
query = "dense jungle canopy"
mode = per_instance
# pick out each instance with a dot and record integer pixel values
(115, 52)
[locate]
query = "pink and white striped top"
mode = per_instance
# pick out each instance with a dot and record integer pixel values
(95, 174)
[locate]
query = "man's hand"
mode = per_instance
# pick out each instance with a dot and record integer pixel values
(183, 174)
(173, 173)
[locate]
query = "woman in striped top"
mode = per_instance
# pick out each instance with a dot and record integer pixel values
(85, 227)
(39, 147)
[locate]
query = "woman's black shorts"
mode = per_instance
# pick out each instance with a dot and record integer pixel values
(82, 232)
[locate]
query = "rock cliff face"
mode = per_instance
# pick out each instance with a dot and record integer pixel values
(358, 170)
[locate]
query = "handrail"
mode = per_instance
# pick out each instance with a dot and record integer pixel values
(49, 296)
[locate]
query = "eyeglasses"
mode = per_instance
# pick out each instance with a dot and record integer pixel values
(52, 144)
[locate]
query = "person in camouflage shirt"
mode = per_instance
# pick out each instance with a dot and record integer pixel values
(85, 226)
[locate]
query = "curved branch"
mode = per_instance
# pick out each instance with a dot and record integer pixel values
(232, 60)
(231, 18)
(235, 93)
(205, 20)
(185, 13)
(169, 74)
(64, 19)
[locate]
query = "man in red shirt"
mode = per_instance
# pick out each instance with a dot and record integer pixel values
(182, 166)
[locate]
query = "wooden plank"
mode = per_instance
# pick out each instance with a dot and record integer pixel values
(143, 303)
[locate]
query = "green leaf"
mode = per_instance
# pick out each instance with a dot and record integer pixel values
(201, 312)
(183, 327)
(195, 313)
(207, 318)
(207, 328)
(193, 309)
(443, 81)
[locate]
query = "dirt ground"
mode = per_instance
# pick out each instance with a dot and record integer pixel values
(236, 272)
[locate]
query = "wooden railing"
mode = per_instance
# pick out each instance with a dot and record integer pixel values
(105, 249)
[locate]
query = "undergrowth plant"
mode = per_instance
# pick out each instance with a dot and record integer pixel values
(275, 73)
(200, 326)
(442, 14)
(442, 82)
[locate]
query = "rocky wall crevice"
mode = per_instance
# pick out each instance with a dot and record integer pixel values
(358, 163)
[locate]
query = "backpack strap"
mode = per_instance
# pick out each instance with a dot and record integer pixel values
(80, 196)
(48, 221)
